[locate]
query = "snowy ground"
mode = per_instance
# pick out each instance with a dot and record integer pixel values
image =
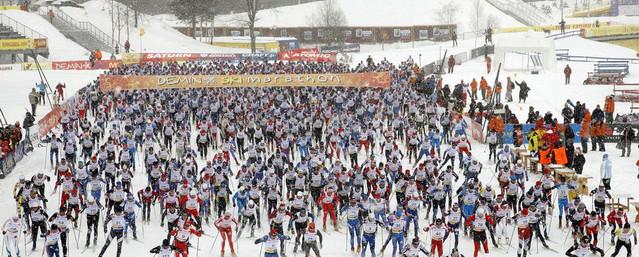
(548, 93)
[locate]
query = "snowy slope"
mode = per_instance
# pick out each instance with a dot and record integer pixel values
(377, 13)
(17, 85)
(60, 47)
(548, 93)
(158, 37)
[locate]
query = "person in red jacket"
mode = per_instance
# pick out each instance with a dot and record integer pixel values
(479, 223)
(328, 200)
(147, 197)
(524, 233)
(190, 204)
(225, 226)
(182, 236)
(616, 218)
(592, 223)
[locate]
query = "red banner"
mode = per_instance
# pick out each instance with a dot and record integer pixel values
(306, 55)
(49, 121)
(177, 57)
(86, 65)
(476, 130)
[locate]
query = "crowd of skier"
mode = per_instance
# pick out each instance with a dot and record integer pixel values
(299, 164)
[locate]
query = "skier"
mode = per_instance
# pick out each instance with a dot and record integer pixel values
(62, 219)
(224, 226)
(310, 240)
(524, 232)
(396, 232)
(182, 235)
(438, 234)
(328, 202)
(414, 249)
(271, 242)
(38, 222)
(370, 232)
(615, 218)
(623, 236)
(583, 248)
(478, 223)
(51, 241)
(165, 250)
(92, 210)
(11, 230)
(353, 214)
(249, 215)
(129, 212)
(118, 223)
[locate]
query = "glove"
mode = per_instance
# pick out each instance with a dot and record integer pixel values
(233, 205)
(4, 232)
(24, 232)
(162, 224)
(257, 241)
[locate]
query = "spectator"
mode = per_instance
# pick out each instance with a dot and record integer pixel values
(473, 89)
(498, 93)
(454, 38)
(127, 46)
(483, 86)
(606, 171)
(562, 26)
(609, 108)
(33, 100)
(42, 92)
(510, 85)
(585, 131)
(523, 90)
(60, 91)
(579, 160)
(489, 64)
(451, 64)
(567, 73)
(625, 141)
(28, 123)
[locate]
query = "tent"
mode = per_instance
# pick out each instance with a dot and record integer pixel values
(525, 51)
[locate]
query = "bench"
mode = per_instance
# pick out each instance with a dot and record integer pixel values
(615, 202)
(612, 67)
(604, 78)
(636, 205)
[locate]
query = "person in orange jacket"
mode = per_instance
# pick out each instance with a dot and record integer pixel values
(597, 133)
(489, 93)
(585, 131)
(483, 85)
(489, 64)
(496, 123)
(473, 89)
(609, 108)
(98, 54)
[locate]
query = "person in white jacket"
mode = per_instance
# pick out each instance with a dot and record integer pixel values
(606, 171)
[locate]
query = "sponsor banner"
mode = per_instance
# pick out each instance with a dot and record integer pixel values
(9, 7)
(86, 65)
(40, 43)
(507, 137)
(345, 48)
(363, 80)
(32, 66)
(298, 55)
(476, 130)
(49, 121)
(259, 56)
(9, 67)
(178, 57)
(16, 44)
(629, 97)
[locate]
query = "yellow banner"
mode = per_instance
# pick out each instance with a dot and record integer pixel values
(549, 27)
(9, 7)
(130, 58)
(362, 80)
(32, 66)
(17, 44)
(612, 31)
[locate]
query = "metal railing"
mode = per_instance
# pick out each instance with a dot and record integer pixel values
(20, 28)
(525, 12)
(85, 26)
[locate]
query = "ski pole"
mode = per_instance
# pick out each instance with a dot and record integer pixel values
(197, 254)
(75, 237)
(261, 246)
(511, 239)
(215, 240)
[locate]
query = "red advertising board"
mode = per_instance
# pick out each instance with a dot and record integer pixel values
(49, 121)
(306, 55)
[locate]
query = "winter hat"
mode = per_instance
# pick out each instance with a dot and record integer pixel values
(605, 156)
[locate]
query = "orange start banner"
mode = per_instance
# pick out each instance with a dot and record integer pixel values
(362, 80)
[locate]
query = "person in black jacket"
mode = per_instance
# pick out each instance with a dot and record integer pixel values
(578, 161)
(625, 141)
(166, 249)
(584, 246)
(597, 114)
(523, 90)
(27, 123)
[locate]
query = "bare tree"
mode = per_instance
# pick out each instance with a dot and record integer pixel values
(252, 8)
(448, 13)
(477, 17)
(331, 19)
